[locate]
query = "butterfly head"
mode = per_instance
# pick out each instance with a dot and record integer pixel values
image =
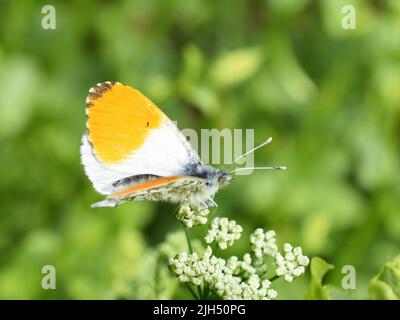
(223, 178)
(215, 178)
(212, 180)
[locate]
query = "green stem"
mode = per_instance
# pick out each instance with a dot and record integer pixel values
(192, 292)
(206, 292)
(274, 278)
(188, 240)
(189, 243)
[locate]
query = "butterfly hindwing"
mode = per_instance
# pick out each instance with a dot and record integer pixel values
(172, 189)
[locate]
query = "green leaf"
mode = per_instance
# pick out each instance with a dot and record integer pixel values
(379, 290)
(236, 66)
(386, 285)
(319, 268)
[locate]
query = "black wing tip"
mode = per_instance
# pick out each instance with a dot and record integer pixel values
(98, 90)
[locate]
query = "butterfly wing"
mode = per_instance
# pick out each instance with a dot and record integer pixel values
(172, 189)
(128, 135)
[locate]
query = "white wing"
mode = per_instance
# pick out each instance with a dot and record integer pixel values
(164, 152)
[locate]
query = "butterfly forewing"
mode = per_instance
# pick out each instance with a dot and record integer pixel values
(128, 135)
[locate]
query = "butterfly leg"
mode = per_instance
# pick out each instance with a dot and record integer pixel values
(214, 211)
(205, 206)
(196, 209)
(211, 203)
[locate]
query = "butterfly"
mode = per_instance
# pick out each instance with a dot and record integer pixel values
(133, 151)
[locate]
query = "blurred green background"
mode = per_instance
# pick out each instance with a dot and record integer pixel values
(330, 98)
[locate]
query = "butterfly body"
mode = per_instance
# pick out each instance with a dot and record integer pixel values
(196, 187)
(132, 151)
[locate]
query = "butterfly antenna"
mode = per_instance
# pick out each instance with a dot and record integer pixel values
(254, 149)
(250, 151)
(259, 168)
(255, 168)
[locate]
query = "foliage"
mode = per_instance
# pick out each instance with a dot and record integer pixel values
(386, 285)
(248, 278)
(319, 268)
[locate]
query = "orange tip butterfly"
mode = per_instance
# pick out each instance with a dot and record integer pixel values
(133, 151)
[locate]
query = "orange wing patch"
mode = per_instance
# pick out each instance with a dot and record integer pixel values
(143, 186)
(119, 120)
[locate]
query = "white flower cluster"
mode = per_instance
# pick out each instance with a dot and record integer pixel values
(223, 232)
(234, 278)
(221, 276)
(292, 264)
(192, 217)
(263, 243)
